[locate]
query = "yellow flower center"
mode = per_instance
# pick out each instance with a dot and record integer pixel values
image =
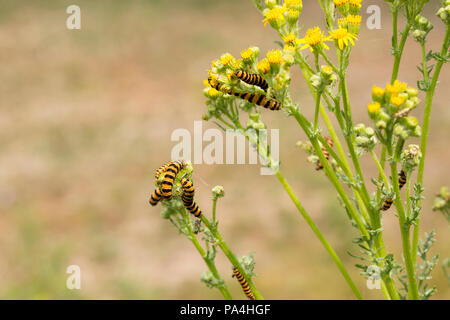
(397, 100)
(226, 59)
(314, 36)
(377, 91)
(289, 39)
(247, 54)
(274, 15)
(355, 3)
(396, 87)
(293, 3)
(374, 107)
(340, 2)
(353, 20)
(343, 37)
(274, 56)
(263, 66)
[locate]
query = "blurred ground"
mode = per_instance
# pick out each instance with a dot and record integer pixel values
(86, 116)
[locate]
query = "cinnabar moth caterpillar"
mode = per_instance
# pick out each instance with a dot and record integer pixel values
(188, 197)
(256, 98)
(387, 204)
(162, 169)
(325, 152)
(169, 178)
(401, 178)
(252, 78)
(244, 284)
(155, 197)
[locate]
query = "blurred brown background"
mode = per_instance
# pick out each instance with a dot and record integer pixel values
(86, 117)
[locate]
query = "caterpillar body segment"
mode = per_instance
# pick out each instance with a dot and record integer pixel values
(256, 98)
(188, 197)
(252, 78)
(259, 99)
(325, 153)
(387, 204)
(244, 284)
(162, 169)
(401, 179)
(169, 178)
(155, 197)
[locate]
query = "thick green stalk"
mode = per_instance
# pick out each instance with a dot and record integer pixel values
(425, 129)
(230, 255)
(319, 235)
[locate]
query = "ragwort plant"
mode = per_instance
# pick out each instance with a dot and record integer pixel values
(238, 89)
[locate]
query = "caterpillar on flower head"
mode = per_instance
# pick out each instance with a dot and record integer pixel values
(188, 197)
(401, 179)
(325, 153)
(169, 178)
(155, 197)
(252, 78)
(256, 98)
(244, 284)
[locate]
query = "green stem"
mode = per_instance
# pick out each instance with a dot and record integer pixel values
(211, 266)
(316, 112)
(380, 168)
(413, 292)
(214, 209)
(398, 51)
(319, 235)
(425, 129)
(230, 255)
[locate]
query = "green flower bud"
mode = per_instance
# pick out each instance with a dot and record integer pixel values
(254, 116)
(412, 92)
(218, 192)
(370, 132)
(410, 157)
(381, 124)
(384, 116)
(411, 122)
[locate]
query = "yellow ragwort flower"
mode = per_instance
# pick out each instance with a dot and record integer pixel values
(275, 14)
(247, 54)
(343, 37)
(353, 20)
(373, 108)
(274, 56)
(355, 3)
(396, 87)
(398, 101)
(263, 66)
(213, 92)
(295, 4)
(340, 2)
(314, 39)
(226, 59)
(290, 39)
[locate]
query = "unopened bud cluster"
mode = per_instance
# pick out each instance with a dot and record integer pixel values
(393, 104)
(324, 78)
(422, 27)
(365, 137)
(442, 202)
(444, 12)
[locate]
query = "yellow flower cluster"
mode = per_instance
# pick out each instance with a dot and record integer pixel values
(263, 66)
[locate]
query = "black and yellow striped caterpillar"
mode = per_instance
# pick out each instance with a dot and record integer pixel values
(325, 153)
(256, 98)
(162, 169)
(244, 284)
(169, 178)
(188, 197)
(401, 179)
(155, 197)
(252, 78)
(387, 204)
(401, 182)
